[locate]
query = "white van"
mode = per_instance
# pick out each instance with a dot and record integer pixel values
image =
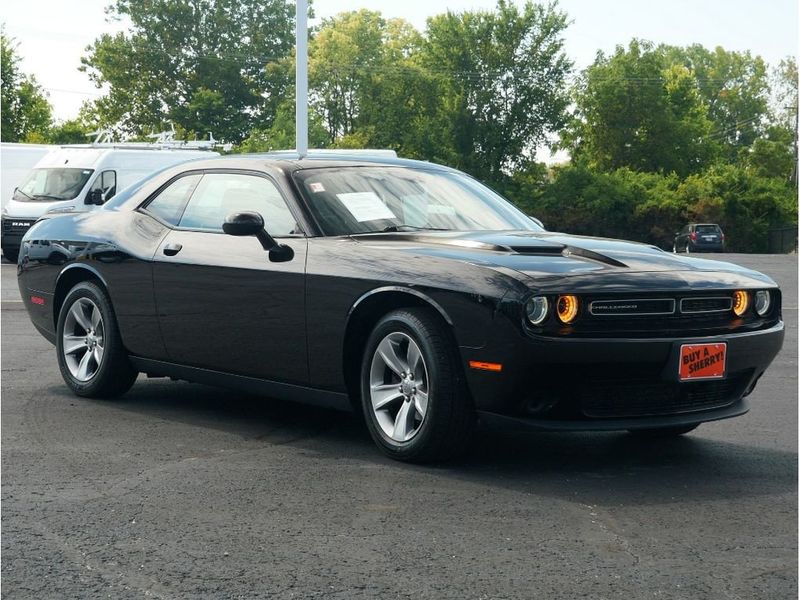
(81, 177)
(16, 161)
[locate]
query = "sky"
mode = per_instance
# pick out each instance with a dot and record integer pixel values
(53, 34)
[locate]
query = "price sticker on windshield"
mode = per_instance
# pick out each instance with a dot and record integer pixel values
(365, 206)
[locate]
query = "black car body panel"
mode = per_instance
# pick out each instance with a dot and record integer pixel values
(221, 311)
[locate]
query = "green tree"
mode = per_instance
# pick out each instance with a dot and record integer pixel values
(202, 64)
(636, 109)
(281, 134)
(71, 131)
(735, 88)
(501, 84)
(26, 113)
(363, 78)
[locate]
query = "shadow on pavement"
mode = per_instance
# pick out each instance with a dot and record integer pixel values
(592, 468)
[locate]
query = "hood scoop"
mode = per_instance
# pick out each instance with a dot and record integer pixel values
(546, 248)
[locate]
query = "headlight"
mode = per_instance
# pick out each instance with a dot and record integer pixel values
(536, 310)
(567, 308)
(763, 301)
(740, 302)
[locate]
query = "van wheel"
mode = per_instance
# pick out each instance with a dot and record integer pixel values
(91, 357)
(413, 396)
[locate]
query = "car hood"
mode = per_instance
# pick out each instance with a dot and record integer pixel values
(549, 256)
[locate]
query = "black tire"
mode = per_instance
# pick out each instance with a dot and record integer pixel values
(114, 374)
(447, 427)
(11, 255)
(663, 432)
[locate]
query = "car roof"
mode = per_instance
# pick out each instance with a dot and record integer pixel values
(291, 163)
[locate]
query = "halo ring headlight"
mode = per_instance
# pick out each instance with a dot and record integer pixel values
(536, 310)
(567, 308)
(741, 302)
(763, 300)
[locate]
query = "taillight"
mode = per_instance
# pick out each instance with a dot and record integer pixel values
(693, 236)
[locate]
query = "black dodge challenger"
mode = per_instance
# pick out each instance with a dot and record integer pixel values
(405, 290)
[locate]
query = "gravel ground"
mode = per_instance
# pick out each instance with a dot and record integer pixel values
(184, 491)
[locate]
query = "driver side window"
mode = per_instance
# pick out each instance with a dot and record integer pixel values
(221, 194)
(106, 184)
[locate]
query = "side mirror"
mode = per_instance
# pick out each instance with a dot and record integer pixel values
(252, 223)
(95, 197)
(537, 221)
(243, 223)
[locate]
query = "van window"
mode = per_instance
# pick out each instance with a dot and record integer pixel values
(106, 182)
(49, 185)
(220, 194)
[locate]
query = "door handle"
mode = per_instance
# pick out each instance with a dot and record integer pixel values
(172, 249)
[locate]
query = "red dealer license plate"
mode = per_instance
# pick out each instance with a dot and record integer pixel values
(702, 361)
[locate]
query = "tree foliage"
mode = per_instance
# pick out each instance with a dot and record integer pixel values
(734, 86)
(202, 64)
(636, 109)
(501, 86)
(25, 110)
(651, 207)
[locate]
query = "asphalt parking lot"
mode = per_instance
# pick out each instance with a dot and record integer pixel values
(178, 490)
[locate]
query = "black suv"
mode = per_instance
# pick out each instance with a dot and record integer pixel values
(699, 237)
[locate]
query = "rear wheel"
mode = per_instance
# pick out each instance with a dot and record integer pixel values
(91, 357)
(663, 432)
(413, 396)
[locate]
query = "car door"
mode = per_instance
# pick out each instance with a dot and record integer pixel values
(222, 303)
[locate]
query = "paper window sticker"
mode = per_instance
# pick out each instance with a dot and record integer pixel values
(316, 187)
(365, 206)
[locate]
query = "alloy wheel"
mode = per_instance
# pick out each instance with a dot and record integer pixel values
(398, 386)
(82, 342)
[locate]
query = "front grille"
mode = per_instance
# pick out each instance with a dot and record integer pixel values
(634, 306)
(706, 305)
(16, 226)
(689, 314)
(631, 398)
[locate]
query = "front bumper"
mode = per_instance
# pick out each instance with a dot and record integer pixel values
(611, 384)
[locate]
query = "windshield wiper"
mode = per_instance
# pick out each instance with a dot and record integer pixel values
(411, 228)
(28, 196)
(46, 197)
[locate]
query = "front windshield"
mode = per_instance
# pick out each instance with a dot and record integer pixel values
(350, 200)
(49, 185)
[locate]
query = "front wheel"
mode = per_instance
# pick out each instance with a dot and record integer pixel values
(413, 394)
(91, 357)
(663, 432)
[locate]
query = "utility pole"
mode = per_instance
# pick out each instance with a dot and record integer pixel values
(301, 78)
